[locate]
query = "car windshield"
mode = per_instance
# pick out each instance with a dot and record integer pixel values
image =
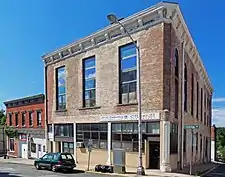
(66, 156)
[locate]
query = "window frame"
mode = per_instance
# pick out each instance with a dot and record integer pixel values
(60, 96)
(92, 101)
(17, 119)
(39, 119)
(31, 118)
(10, 119)
(121, 72)
(23, 119)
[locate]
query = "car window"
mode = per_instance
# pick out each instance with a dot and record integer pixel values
(66, 156)
(50, 157)
(55, 157)
(45, 157)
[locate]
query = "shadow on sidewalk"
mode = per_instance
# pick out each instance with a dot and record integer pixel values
(6, 174)
(75, 171)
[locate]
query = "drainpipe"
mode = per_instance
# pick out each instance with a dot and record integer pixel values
(182, 111)
(46, 109)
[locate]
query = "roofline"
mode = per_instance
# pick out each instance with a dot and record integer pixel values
(25, 98)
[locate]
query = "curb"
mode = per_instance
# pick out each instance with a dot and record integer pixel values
(109, 174)
(16, 163)
(209, 170)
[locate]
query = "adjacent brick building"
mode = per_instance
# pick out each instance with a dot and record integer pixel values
(26, 115)
(91, 93)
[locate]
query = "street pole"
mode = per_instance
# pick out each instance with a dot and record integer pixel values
(140, 169)
(46, 109)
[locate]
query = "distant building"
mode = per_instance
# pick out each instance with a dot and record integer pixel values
(26, 115)
(213, 143)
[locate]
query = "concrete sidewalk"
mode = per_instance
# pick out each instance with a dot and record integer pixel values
(131, 172)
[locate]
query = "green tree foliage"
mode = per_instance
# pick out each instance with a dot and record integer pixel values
(10, 131)
(220, 141)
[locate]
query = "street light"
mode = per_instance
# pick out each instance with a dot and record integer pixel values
(140, 169)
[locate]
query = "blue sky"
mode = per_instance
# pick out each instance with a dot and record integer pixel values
(29, 29)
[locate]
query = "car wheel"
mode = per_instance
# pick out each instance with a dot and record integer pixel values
(37, 166)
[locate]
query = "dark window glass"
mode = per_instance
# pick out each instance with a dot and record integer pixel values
(11, 144)
(60, 88)
(50, 128)
(176, 62)
(10, 119)
(153, 127)
(201, 106)
(185, 88)
(103, 135)
(64, 130)
(176, 98)
(17, 121)
(38, 118)
(197, 96)
(23, 119)
(87, 135)
(30, 118)
(89, 75)
(174, 138)
(94, 127)
(192, 94)
(128, 74)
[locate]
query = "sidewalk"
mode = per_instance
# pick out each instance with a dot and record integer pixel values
(131, 172)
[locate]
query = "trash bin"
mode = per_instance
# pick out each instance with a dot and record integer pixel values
(119, 161)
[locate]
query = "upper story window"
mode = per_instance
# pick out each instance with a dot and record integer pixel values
(201, 105)
(197, 96)
(30, 119)
(89, 82)
(16, 119)
(10, 119)
(128, 74)
(176, 57)
(23, 119)
(49, 128)
(39, 119)
(192, 94)
(185, 88)
(60, 88)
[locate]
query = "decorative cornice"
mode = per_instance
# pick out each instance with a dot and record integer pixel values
(161, 12)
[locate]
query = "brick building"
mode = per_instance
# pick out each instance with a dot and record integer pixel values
(91, 93)
(26, 115)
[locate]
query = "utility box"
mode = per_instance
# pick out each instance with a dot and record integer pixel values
(119, 160)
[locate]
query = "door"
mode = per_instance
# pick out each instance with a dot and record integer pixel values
(39, 151)
(154, 155)
(24, 151)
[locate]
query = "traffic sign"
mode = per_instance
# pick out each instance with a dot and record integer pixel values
(191, 126)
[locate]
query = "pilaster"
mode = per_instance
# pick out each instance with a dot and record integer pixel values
(109, 161)
(75, 140)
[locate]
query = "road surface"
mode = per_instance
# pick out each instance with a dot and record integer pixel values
(21, 170)
(218, 172)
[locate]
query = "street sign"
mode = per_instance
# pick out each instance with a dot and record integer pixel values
(191, 126)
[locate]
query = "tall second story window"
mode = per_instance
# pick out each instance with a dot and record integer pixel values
(192, 94)
(38, 118)
(23, 119)
(89, 82)
(176, 62)
(16, 119)
(30, 119)
(60, 89)
(185, 88)
(10, 119)
(197, 102)
(201, 105)
(128, 74)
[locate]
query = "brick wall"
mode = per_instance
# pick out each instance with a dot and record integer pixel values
(25, 109)
(107, 83)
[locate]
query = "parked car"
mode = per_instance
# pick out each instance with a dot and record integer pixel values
(56, 162)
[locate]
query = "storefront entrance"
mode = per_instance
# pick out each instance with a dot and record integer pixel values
(154, 154)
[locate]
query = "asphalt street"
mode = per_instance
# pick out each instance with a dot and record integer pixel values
(218, 172)
(21, 170)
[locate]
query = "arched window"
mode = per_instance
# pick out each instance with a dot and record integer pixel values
(176, 62)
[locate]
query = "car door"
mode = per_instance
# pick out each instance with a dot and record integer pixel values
(49, 160)
(43, 161)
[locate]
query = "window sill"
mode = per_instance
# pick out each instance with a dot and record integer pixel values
(86, 108)
(127, 104)
(61, 110)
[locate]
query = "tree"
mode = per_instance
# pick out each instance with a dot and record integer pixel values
(220, 141)
(10, 131)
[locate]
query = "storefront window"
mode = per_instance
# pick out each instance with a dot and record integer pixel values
(68, 147)
(64, 130)
(96, 132)
(11, 144)
(33, 147)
